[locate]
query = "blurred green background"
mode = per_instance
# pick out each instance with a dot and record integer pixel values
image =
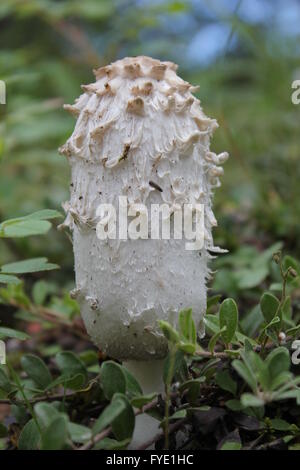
(243, 54)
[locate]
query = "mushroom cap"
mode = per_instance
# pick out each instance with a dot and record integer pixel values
(140, 133)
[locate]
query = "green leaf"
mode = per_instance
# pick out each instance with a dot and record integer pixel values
(89, 357)
(113, 379)
(192, 387)
(251, 277)
(269, 305)
(235, 405)
(169, 332)
(212, 324)
(24, 227)
(29, 266)
(140, 401)
(74, 382)
(251, 321)
(289, 262)
(45, 413)
(228, 318)
(280, 379)
(273, 322)
(187, 326)
(10, 333)
(56, 435)
(40, 291)
(5, 279)
(180, 367)
(276, 286)
(248, 400)
(5, 384)
(79, 433)
(213, 340)
(293, 331)
(72, 369)
(133, 388)
(225, 381)
(280, 424)
(232, 353)
(231, 445)
(123, 424)
(246, 373)
(211, 301)
(33, 224)
(15, 291)
(30, 437)
(37, 370)
(268, 329)
(278, 361)
(289, 394)
(260, 369)
(45, 214)
(111, 412)
(243, 339)
(180, 414)
(187, 348)
(287, 312)
(112, 444)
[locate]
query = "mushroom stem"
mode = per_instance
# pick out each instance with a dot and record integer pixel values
(149, 374)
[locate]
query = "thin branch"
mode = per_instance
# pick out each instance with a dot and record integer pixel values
(225, 355)
(168, 393)
(32, 401)
(96, 439)
(56, 396)
(221, 355)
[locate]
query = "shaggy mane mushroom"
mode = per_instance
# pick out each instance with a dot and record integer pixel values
(139, 133)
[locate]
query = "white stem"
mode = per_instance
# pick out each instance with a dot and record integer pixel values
(149, 374)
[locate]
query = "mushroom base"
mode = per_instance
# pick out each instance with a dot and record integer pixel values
(150, 377)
